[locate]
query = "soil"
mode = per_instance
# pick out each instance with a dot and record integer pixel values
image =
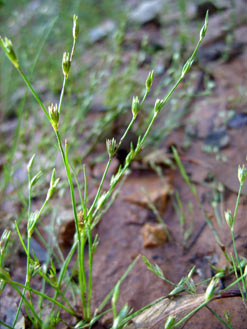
(121, 230)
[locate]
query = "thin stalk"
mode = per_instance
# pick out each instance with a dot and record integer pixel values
(234, 241)
(90, 269)
(100, 187)
(27, 304)
(27, 281)
(84, 204)
(5, 325)
(144, 97)
(78, 186)
(219, 318)
(23, 75)
(127, 130)
(61, 95)
(64, 268)
(190, 314)
(82, 274)
(37, 292)
(81, 244)
(66, 164)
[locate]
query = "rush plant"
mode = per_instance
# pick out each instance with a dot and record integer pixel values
(87, 219)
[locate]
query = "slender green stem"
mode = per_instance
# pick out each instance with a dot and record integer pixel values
(37, 292)
(84, 204)
(234, 241)
(82, 274)
(186, 317)
(90, 269)
(64, 267)
(66, 164)
(61, 95)
(23, 298)
(5, 325)
(34, 93)
(100, 187)
(126, 131)
(27, 281)
(237, 203)
(144, 97)
(219, 318)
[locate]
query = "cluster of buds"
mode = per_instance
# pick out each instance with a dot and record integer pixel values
(7, 47)
(54, 115)
(111, 146)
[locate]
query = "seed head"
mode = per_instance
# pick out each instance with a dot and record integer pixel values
(135, 106)
(54, 115)
(149, 80)
(242, 174)
(210, 289)
(7, 46)
(228, 218)
(170, 322)
(111, 146)
(66, 63)
(157, 106)
(53, 185)
(75, 30)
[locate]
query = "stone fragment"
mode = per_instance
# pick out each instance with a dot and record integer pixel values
(153, 235)
(239, 120)
(102, 31)
(146, 12)
(217, 139)
(148, 189)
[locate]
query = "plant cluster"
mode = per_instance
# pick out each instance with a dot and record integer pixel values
(86, 220)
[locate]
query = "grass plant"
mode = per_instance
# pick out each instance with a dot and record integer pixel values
(91, 213)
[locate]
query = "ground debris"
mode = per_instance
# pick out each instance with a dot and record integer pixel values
(149, 189)
(156, 316)
(153, 235)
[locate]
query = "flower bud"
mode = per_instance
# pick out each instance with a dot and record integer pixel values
(135, 106)
(204, 28)
(116, 293)
(210, 289)
(111, 146)
(66, 63)
(75, 30)
(157, 106)
(149, 80)
(54, 115)
(7, 46)
(4, 241)
(30, 163)
(186, 67)
(242, 173)
(170, 322)
(53, 185)
(228, 218)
